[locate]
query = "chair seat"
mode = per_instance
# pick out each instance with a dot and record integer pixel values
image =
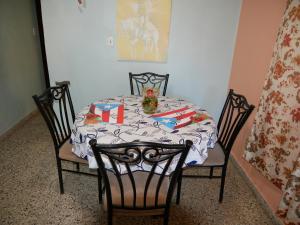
(66, 153)
(216, 156)
(140, 178)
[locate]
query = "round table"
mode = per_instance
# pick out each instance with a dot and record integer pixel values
(135, 125)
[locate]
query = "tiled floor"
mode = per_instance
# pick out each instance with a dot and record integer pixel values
(29, 191)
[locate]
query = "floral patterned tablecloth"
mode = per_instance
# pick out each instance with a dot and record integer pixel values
(138, 126)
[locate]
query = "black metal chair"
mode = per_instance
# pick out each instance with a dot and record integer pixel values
(150, 80)
(235, 113)
(136, 193)
(56, 107)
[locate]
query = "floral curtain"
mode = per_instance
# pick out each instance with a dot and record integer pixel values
(274, 144)
(289, 207)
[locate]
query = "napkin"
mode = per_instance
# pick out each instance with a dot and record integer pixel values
(179, 118)
(106, 112)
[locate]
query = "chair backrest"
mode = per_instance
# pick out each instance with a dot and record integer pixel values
(235, 113)
(148, 80)
(56, 107)
(153, 155)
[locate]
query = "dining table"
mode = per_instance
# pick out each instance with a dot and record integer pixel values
(122, 120)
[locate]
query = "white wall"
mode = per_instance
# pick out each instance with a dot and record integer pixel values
(201, 42)
(21, 71)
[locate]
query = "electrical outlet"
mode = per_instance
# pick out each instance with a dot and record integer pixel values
(33, 31)
(110, 41)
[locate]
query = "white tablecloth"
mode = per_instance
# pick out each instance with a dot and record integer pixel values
(139, 126)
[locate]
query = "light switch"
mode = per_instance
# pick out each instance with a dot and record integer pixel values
(110, 41)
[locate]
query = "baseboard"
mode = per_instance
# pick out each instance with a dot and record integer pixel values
(19, 124)
(261, 200)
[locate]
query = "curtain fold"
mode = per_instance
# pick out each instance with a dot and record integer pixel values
(274, 144)
(289, 207)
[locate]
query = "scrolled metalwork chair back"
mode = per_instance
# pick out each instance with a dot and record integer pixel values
(56, 107)
(235, 113)
(152, 155)
(148, 80)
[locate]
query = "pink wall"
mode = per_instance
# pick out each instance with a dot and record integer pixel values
(258, 26)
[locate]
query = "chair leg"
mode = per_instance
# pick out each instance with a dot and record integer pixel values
(211, 172)
(99, 186)
(109, 217)
(179, 188)
(166, 217)
(222, 184)
(60, 178)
